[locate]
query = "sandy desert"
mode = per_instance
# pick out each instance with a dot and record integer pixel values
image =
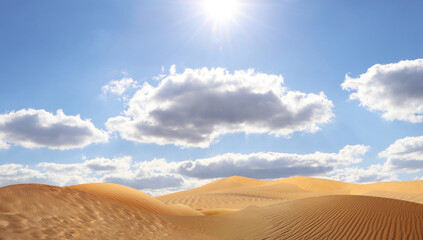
(211, 120)
(229, 208)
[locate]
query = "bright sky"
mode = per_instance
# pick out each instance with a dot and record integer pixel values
(166, 95)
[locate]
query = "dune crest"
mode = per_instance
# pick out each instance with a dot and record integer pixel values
(242, 192)
(135, 198)
(316, 184)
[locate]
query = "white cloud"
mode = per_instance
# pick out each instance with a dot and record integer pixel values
(374, 173)
(394, 89)
(405, 154)
(119, 87)
(32, 128)
(159, 77)
(172, 70)
(193, 108)
(92, 166)
(272, 164)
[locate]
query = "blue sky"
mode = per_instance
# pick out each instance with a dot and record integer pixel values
(61, 55)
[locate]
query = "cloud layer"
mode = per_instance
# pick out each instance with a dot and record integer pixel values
(373, 173)
(193, 108)
(159, 176)
(394, 89)
(271, 164)
(32, 128)
(405, 154)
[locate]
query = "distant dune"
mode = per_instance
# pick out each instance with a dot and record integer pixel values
(229, 208)
(241, 192)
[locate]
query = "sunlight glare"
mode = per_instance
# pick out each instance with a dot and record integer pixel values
(221, 10)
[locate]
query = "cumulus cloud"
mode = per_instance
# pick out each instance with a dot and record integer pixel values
(394, 89)
(374, 173)
(32, 128)
(97, 166)
(272, 164)
(119, 87)
(404, 154)
(193, 108)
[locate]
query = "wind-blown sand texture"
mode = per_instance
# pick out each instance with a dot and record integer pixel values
(230, 208)
(241, 192)
(135, 198)
(31, 211)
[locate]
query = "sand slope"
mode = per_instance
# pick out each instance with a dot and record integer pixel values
(235, 193)
(327, 217)
(234, 208)
(241, 192)
(31, 211)
(405, 190)
(316, 184)
(135, 198)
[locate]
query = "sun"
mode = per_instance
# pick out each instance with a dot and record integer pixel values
(221, 10)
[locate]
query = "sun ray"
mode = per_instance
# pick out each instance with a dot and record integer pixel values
(221, 11)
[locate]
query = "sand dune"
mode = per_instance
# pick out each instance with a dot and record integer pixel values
(32, 211)
(224, 184)
(316, 184)
(328, 217)
(230, 208)
(235, 193)
(405, 190)
(240, 192)
(135, 198)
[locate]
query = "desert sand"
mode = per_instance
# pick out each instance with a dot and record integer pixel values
(229, 208)
(135, 198)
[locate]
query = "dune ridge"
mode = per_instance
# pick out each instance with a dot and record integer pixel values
(241, 192)
(135, 198)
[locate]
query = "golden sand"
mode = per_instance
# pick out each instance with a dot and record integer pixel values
(230, 208)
